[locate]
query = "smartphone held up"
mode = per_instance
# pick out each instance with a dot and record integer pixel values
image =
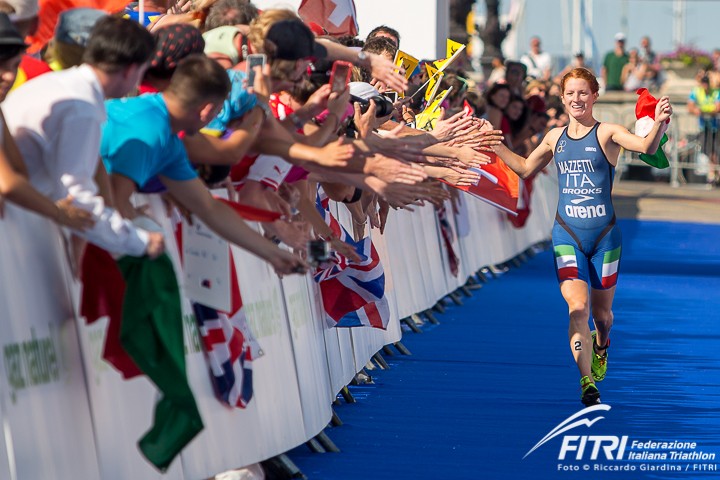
(254, 60)
(340, 75)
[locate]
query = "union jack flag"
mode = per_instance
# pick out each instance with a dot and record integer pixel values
(353, 293)
(230, 349)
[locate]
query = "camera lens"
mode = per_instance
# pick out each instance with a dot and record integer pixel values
(383, 105)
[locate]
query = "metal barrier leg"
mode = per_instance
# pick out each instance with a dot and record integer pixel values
(335, 420)
(347, 396)
(387, 351)
(439, 307)
(464, 291)
(281, 467)
(315, 446)
(381, 361)
(402, 348)
(430, 317)
(327, 443)
(411, 324)
(455, 298)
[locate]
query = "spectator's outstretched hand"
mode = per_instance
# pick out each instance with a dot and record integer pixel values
(387, 72)
(286, 263)
(336, 154)
(446, 128)
(262, 87)
(391, 170)
(73, 217)
(457, 177)
(156, 244)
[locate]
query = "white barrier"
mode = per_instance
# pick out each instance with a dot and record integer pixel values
(67, 414)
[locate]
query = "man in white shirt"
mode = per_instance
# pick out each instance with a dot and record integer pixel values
(538, 63)
(56, 120)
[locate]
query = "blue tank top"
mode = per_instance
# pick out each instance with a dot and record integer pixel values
(585, 179)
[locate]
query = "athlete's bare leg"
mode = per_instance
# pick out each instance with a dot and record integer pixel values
(575, 293)
(601, 301)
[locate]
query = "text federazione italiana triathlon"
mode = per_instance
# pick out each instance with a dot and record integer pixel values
(674, 450)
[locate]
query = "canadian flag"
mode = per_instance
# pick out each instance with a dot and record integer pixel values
(338, 17)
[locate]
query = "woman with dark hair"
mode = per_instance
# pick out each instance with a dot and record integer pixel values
(586, 240)
(497, 99)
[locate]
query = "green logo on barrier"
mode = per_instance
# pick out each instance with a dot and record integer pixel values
(30, 363)
(192, 336)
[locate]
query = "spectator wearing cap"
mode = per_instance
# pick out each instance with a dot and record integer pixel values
(12, 48)
(23, 15)
(225, 45)
(56, 120)
(613, 64)
(292, 42)
(13, 173)
(72, 32)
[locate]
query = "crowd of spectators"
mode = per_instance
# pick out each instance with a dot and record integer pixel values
(160, 104)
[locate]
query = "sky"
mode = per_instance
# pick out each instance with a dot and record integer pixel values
(644, 17)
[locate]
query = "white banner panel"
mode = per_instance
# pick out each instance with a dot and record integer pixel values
(306, 324)
(45, 411)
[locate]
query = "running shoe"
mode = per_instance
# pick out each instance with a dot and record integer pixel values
(590, 394)
(599, 362)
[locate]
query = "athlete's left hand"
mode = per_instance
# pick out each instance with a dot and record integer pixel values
(663, 109)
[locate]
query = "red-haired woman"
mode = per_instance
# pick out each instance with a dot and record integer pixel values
(586, 241)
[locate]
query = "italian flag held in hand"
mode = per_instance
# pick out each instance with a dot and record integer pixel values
(645, 114)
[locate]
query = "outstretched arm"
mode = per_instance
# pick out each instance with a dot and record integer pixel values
(536, 161)
(225, 222)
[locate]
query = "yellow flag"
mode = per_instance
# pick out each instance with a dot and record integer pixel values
(434, 78)
(406, 61)
(443, 63)
(452, 47)
(427, 119)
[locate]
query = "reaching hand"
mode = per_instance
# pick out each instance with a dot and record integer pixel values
(395, 171)
(262, 87)
(156, 244)
(344, 249)
(471, 157)
(387, 72)
(445, 128)
(383, 211)
(318, 101)
(73, 217)
(336, 154)
(286, 263)
(337, 102)
(458, 177)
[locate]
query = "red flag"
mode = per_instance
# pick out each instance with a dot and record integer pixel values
(499, 186)
(250, 213)
(523, 212)
(338, 17)
(102, 294)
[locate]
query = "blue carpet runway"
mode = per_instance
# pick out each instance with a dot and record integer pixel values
(485, 386)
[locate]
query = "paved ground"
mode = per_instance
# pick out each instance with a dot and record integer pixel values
(659, 201)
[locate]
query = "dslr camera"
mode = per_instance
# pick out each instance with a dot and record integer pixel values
(384, 106)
